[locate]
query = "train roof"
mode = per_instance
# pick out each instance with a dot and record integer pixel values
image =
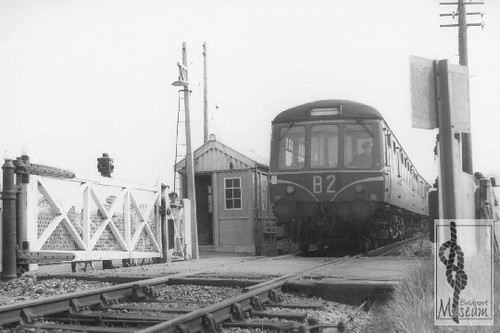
(348, 109)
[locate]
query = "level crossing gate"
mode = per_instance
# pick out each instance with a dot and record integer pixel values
(88, 220)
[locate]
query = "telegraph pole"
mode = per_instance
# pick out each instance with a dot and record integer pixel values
(191, 192)
(189, 161)
(462, 34)
(205, 95)
(464, 61)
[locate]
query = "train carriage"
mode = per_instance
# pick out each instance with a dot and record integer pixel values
(339, 176)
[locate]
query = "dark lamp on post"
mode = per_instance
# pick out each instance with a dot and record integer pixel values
(180, 83)
(105, 165)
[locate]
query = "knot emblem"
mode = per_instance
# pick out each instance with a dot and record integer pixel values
(455, 274)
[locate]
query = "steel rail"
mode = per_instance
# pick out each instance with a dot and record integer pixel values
(209, 317)
(390, 247)
(33, 309)
(299, 274)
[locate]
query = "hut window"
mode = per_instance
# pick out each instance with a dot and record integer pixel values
(232, 193)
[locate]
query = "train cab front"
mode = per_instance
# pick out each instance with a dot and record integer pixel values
(327, 164)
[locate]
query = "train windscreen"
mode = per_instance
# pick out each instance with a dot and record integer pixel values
(358, 145)
(324, 146)
(292, 147)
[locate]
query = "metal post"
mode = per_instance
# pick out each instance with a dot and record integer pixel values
(164, 228)
(205, 95)
(462, 34)
(189, 161)
(456, 201)
(464, 61)
(9, 222)
(447, 185)
(22, 179)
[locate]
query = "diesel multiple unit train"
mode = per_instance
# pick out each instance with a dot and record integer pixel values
(339, 177)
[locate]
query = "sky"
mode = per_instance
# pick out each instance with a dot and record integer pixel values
(79, 78)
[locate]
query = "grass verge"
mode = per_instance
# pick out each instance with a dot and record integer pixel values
(411, 308)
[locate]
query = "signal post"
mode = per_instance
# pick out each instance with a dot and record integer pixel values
(440, 99)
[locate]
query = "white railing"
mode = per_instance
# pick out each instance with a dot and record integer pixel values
(94, 220)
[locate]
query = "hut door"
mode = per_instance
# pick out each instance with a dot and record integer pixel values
(204, 209)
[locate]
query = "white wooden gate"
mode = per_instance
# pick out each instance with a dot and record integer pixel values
(94, 220)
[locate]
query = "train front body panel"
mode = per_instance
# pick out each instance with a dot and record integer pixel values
(330, 172)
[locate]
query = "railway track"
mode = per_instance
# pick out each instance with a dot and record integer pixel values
(159, 305)
(384, 250)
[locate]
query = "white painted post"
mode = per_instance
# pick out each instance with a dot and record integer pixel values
(86, 217)
(31, 235)
(188, 253)
(32, 207)
(126, 221)
(156, 209)
(1, 204)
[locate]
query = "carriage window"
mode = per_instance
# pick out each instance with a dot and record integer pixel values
(292, 148)
(324, 146)
(358, 146)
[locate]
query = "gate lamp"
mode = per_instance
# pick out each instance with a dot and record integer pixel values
(180, 83)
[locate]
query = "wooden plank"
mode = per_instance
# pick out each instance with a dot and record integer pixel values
(86, 214)
(48, 197)
(98, 233)
(118, 237)
(99, 204)
(137, 235)
(152, 236)
(136, 207)
(74, 233)
(49, 230)
(126, 218)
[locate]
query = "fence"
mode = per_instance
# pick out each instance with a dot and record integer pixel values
(92, 220)
(87, 220)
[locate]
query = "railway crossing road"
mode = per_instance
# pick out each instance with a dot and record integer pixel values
(387, 269)
(347, 280)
